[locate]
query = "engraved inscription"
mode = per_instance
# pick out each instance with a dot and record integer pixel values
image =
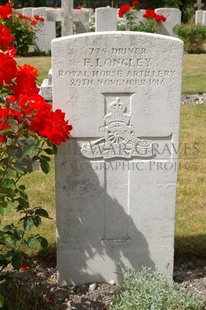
(117, 62)
(117, 67)
(118, 137)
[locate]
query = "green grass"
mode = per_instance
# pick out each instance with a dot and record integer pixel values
(194, 77)
(190, 238)
(43, 64)
(41, 193)
(191, 194)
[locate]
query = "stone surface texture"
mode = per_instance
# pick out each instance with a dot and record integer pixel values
(81, 20)
(204, 18)
(173, 18)
(116, 177)
(28, 11)
(46, 32)
(67, 22)
(106, 19)
(199, 17)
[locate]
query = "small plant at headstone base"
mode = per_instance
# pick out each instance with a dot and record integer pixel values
(149, 289)
(20, 296)
(194, 37)
(29, 133)
(22, 27)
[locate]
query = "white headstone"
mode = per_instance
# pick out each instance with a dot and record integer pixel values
(41, 11)
(81, 19)
(46, 87)
(116, 178)
(106, 19)
(27, 11)
(44, 37)
(54, 14)
(50, 76)
(19, 11)
(46, 33)
(199, 17)
(140, 17)
(173, 18)
(204, 18)
(46, 90)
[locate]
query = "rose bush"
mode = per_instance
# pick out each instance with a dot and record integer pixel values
(130, 20)
(29, 133)
(23, 28)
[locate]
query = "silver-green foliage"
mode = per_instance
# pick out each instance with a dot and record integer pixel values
(150, 290)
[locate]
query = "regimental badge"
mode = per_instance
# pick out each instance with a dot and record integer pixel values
(118, 137)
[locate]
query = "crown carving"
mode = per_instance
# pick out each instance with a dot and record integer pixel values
(116, 113)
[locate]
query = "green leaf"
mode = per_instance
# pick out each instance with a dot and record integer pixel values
(30, 241)
(3, 209)
(6, 191)
(13, 203)
(43, 242)
(27, 222)
(47, 158)
(44, 166)
(8, 182)
(41, 212)
(22, 187)
(36, 220)
(19, 153)
(54, 149)
(3, 260)
(1, 301)
(8, 228)
(49, 151)
(17, 261)
(18, 234)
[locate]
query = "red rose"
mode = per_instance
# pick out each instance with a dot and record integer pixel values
(26, 77)
(22, 16)
(3, 123)
(33, 22)
(39, 18)
(25, 266)
(11, 51)
(160, 18)
(149, 13)
(8, 69)
(38, 116)
(123, 9)
(6, 38)
(135, 3)
(58, 129)
(6, 10)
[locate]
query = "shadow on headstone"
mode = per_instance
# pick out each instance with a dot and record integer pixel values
(102, 232)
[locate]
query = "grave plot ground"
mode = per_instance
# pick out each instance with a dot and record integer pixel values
(95, 296)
